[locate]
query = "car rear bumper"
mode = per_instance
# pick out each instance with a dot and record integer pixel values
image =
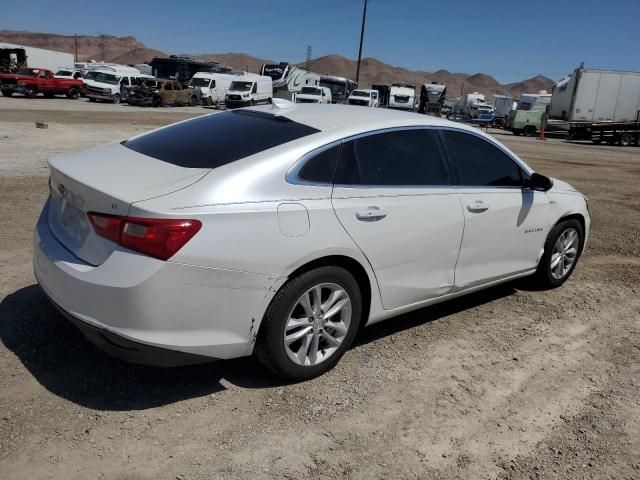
(144, 304)
(128, 350)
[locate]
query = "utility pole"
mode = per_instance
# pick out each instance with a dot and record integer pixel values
(308, 57)
(364, 17)
(75, 42)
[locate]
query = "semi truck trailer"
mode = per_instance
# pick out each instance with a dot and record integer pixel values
(589, 95)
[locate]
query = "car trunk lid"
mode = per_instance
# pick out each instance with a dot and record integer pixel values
(106, 180)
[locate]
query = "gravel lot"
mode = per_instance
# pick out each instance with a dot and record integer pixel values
(508, 383)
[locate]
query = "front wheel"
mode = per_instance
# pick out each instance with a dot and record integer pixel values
(310, 323)
(7, 93)
(116, 99)
(562, 250)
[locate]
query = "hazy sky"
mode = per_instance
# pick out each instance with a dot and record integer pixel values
(507, 39)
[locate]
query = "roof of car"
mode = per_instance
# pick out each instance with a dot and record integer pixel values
(332, 117)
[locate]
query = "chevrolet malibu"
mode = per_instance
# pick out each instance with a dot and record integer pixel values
(280, 230)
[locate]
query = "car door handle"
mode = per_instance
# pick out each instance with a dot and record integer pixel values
(371, 214)
(477, 206)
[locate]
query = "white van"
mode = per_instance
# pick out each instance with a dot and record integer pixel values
(249, 90)
(314, 95)
(110, 83)
(364, 98)
(213, 86)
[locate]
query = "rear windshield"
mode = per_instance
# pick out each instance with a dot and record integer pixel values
(215, 140)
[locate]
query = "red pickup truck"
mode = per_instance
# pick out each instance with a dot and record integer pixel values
(32, 81)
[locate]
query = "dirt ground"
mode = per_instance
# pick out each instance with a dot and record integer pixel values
(509, 383)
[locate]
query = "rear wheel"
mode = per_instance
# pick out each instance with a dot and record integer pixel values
(194, 101)
(310, 323)
(253, 103)
(7, 93)
(562, 250)
(530, 130)
(73, 93)
(31, 92)
(517, 132)
(91, 99)
(626, 139)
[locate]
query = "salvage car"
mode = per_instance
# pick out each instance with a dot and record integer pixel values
(198, 241)
(32, 81)
(165, 93)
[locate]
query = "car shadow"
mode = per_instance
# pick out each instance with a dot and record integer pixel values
(69, 366)
(431, 313)
(65, 363)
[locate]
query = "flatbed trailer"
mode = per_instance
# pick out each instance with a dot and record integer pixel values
(612, 133)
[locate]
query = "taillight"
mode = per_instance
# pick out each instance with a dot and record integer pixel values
(157, 237)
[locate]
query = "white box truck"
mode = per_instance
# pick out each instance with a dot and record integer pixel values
(589, 95)
(14, 56)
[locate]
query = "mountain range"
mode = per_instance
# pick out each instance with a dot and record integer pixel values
(128, 50)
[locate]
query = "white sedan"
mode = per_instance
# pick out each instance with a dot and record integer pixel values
(280, 230)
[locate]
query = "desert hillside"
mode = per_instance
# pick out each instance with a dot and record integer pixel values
(129, 50)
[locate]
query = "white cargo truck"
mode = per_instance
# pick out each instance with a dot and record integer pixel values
(589, 95)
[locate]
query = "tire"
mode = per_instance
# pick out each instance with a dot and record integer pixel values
(269, 101)
(596, 142)
(530, 131)
(7, 93)
(517, 132)
(626, 139)
(115, 99)
(73, 93)
(91, 99)
(31, 92)
(253, 103)
(48, 95)
(193, 102)
(295, 360)
(638, 141)
(552, 276)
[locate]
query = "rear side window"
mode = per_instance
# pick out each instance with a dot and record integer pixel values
(479, 163)
(319, 168)
(214, 140)
(399, 158)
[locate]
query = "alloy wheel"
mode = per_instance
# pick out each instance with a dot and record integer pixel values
(317, 324)
(565, 252)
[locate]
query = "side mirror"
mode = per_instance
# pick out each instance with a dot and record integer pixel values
(539, 182)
